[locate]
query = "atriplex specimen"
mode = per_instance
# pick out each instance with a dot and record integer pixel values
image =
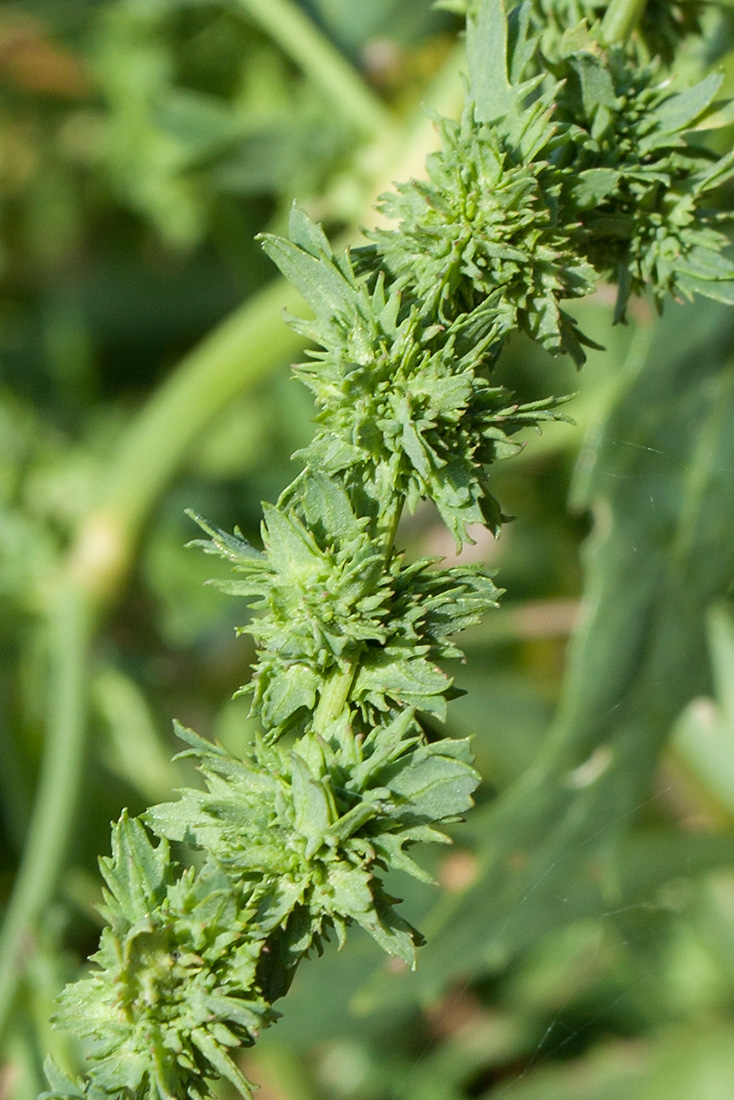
(573, 162)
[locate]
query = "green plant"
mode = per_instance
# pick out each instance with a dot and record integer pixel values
(568, 167)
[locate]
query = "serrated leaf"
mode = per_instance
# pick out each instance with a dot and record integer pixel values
(411, 681)
(597, 89)
(310, 266)
(290, 545)
(313, 808)
(136, 872)
(326, 506)
(307, 234)
(389, 847)
(62, 1087)
(350, 893)
(290, 689)
(394, 935)
(717, 289)
(175, 820)
(234, 547)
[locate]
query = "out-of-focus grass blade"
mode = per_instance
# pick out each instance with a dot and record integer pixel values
(659, 479)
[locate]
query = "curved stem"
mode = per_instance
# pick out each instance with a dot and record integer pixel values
(240, 352)
(621, 18)
(289, 26)
(70, 632)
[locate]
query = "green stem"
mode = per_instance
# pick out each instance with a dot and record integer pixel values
(390, 521)
(335, 692)
(621, 18)
(237, 355)
(70, 633)
(300, 39)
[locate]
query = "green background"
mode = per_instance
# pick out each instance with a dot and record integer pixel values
(581, 941)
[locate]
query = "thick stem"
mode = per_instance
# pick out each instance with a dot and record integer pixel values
(233, 359)
(70, 630)
(621, 18)
(289, 26)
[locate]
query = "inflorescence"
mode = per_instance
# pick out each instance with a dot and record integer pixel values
(574, 162)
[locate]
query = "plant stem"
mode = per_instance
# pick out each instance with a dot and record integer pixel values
(300, 39)
(233, 359)
(335, 692)
(70, 629)
(620, 20)
(334, 695)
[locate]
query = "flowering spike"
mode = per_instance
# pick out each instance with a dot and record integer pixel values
(573, 162)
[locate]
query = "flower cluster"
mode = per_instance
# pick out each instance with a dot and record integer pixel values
(309, 828)
(642, 180)
(404, 405)
(190, 964)
(327, 602)
(561, 172)
(174, 987)
(487, 225)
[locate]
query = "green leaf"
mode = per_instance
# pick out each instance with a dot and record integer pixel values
(313, 809)
(309, 264)
(287, 691)
(436, 786)
(720, 113)
(61, 1086)
(394, 935)
(407, 680)
(486, 48)
(328, 509)
(597, 89)
(590, 187)
(350, 893)
(136, 873)
(681, 111)
(233, 548)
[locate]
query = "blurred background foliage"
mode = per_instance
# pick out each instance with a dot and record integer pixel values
(581, 943)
